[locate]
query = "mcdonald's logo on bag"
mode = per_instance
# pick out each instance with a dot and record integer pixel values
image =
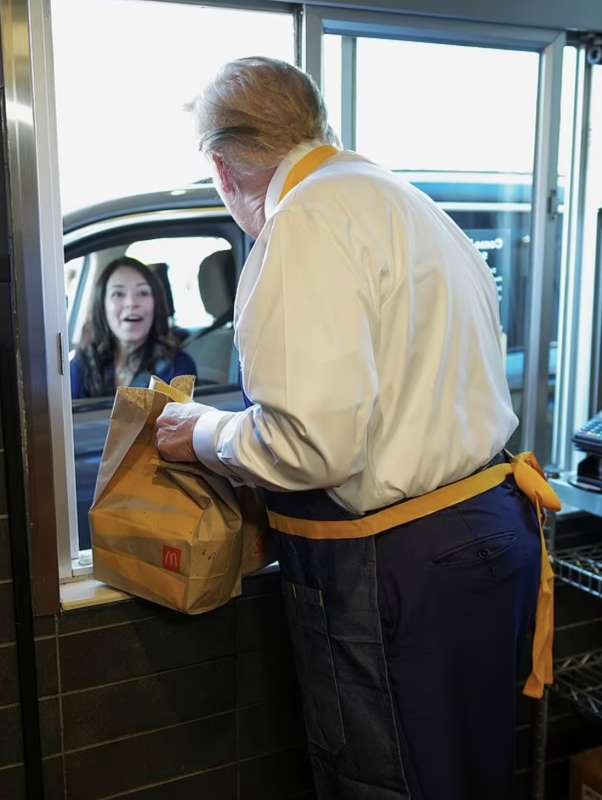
(171, 558)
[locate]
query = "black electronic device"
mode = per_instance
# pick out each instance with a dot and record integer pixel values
(589, 439)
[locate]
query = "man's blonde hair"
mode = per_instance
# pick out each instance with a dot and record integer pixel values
(257, 109)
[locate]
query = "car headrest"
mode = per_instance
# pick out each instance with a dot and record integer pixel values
(217, 283)
(161, 270)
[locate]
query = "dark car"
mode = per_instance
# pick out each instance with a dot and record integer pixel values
(197, 250)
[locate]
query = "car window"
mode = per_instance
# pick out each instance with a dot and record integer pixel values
(198, 278)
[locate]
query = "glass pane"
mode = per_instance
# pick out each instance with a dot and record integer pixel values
(124, 69)
(182, 257)
(331, 89)
(459, 122)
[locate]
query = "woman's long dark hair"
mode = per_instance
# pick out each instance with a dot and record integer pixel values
(98, 346)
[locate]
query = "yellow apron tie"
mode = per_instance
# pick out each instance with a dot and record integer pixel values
(308, 164)
(530, 480)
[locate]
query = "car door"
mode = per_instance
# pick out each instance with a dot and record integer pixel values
(190, 251)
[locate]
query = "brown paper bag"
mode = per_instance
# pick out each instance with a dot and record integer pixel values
(176, 534)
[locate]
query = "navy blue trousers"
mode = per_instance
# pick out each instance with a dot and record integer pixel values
(407, 646)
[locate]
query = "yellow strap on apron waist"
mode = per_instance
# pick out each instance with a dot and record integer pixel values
(530, 480)
(308, 164)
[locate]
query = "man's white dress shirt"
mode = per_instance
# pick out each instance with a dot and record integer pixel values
(368, 332)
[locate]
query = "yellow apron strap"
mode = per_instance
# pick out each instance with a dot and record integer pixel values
(530, 480)
(308, 164)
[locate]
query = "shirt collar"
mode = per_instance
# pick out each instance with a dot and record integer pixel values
(276, 185)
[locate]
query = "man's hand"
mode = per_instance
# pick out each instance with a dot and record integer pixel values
(174, 430)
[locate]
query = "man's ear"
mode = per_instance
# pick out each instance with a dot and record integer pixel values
(225, 174)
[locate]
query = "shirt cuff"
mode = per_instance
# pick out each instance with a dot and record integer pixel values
(205, 438)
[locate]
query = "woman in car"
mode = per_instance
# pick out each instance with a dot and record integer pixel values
(127, 337)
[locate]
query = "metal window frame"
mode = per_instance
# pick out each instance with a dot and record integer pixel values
(549, 44)
(571, 270)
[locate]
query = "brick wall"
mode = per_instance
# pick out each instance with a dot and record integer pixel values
(140, 702)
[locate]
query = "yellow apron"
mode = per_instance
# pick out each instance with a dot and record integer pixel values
(524, 468)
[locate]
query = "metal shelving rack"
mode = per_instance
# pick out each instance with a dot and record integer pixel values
(579, 678)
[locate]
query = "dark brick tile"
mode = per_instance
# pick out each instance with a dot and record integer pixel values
(12, 783)
(47, 669)
(573, 605)
(43, 626)
(54, 779)
(5, 566)
(3, 509)
(144, 704)
(261, 674)
(7, 620)
(11, 751)
(109, 614)
(270, 726)
(9, 682)
(155, 757)
(145, 647)
(281, 775)
(578, 639)
(218, 784)
(261, 622)
(50, 726)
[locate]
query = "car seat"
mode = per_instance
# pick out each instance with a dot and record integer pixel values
(211, 347)
(161, 271)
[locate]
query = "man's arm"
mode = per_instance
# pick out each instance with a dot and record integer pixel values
(305, 335)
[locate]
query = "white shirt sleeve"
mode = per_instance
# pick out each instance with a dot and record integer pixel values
(305, 328)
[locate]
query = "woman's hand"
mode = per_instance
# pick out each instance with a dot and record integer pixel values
(175, 427)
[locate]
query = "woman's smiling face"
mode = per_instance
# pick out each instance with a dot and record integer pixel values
(129, 307)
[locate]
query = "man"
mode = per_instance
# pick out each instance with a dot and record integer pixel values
(369, 340)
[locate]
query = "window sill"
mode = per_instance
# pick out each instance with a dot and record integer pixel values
(88, 592)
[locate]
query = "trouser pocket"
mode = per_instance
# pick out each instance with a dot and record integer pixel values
(315, 666)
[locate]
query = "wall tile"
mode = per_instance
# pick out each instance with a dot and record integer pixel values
(280, 775)
(261, 674)
(9, 685)
(270, 726)
(47, 668)
(3, 509)
(145, 647)
(218, 784)
(12, 783)
(11, 751)
(54, 780)
(170, 753)
(50, 726)
(43, 626)
(144, 704)
(5, 565)
(7, 621)
(110, 614)
(261, 622)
